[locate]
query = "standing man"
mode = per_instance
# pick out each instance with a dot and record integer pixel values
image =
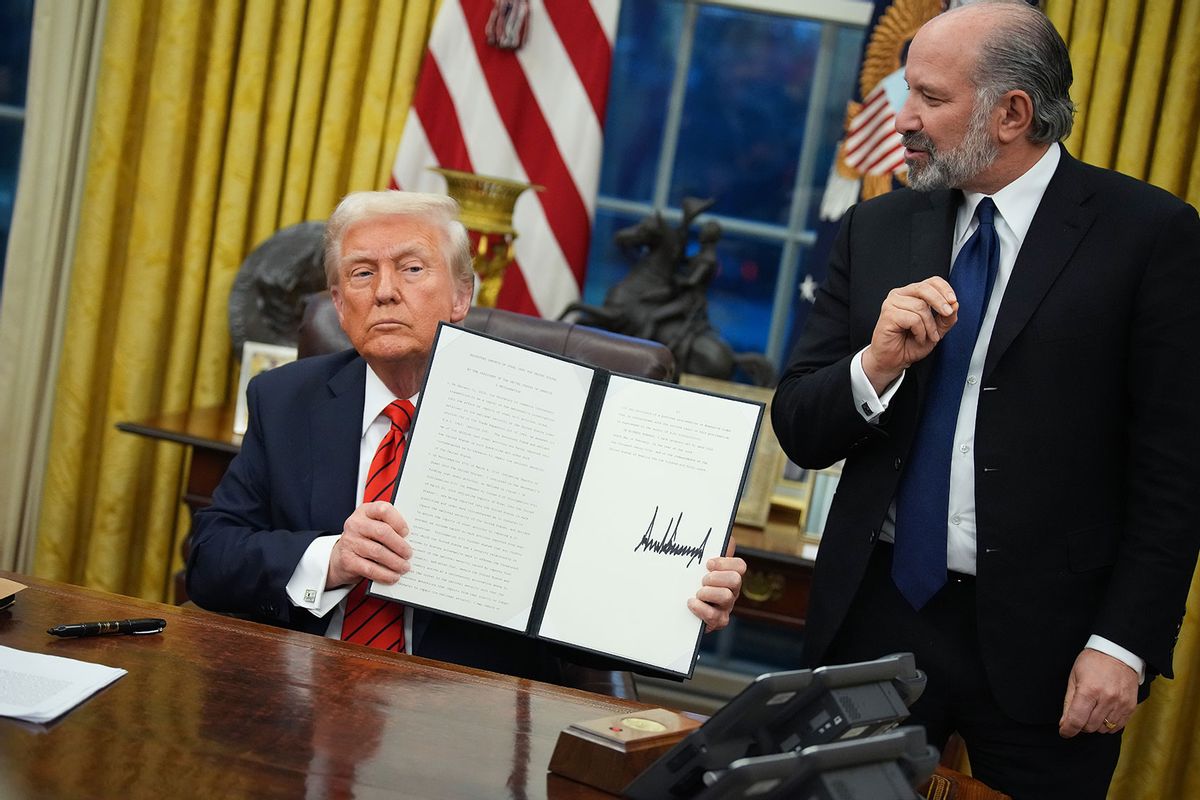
(1020, 499)
(301, 521)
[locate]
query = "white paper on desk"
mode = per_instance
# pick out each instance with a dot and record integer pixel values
(38, 688)
(659, 453)
(492, 443)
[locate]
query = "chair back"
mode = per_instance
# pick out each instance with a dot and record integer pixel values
(321, 333)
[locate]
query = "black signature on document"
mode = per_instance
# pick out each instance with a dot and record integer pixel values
(667, 545)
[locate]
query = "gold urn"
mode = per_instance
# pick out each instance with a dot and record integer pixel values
(486, 204)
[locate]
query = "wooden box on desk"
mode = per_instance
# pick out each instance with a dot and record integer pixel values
(608, 753)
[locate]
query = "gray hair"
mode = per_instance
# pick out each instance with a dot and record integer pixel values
(1025, 52)
(436, 209)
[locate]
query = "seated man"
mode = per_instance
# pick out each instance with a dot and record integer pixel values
(285, 539)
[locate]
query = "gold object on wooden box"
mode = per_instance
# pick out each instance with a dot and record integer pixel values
(608, 753)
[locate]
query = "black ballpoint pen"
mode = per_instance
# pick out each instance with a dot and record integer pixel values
(116, 626)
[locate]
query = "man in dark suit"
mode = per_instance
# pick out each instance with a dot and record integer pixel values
(286, 539)
(1019, 499)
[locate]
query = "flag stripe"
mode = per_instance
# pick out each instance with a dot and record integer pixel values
(881, 119)
(607, 14)
(414, 157)
(492, 153)
(441, 124)
(480, 126)
(548, 276)
(876, 103)
(886, 160)
(862, 151)
(884, 135)
(562, 95)
(533, 116)
(531, 137)
(515, 294)
(587, 47)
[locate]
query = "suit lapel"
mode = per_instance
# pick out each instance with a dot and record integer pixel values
(1057, 228)
(932, 238)
(335, 430)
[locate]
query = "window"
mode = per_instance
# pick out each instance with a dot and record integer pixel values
(742, 101)
(16, 25)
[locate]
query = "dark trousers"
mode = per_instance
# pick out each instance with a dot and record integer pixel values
(1026, 761)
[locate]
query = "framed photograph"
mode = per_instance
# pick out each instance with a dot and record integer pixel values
(794, 489)
(256, 357)
(824, 486)
(809, 493)
(767, 465)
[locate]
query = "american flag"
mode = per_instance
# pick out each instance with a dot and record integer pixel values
(873, 146)
(531, 114)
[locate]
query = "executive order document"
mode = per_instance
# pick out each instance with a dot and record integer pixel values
(552, 498)
(656, 501)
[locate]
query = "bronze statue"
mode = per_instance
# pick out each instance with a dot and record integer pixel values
(664, 297)
(267, 298)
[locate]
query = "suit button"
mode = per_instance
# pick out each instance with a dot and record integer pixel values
(896, 464)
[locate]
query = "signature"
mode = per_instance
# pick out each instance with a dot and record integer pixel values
(667, 543)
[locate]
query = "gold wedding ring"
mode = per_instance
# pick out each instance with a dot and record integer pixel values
(1112, 726)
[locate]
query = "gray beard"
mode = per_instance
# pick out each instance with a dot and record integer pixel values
(954, 168)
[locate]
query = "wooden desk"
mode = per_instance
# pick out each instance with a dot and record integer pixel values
(779, 572)
(218, 707)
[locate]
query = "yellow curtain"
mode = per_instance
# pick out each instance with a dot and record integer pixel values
(1137, 82)
(216, 124)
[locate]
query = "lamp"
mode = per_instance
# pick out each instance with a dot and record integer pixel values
(487, 204)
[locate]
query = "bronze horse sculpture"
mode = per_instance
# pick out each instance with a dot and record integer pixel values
(663, 297)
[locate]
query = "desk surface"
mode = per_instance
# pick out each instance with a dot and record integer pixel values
(210, 428)
(218, 707)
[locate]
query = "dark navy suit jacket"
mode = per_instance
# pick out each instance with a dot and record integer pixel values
(294, 480)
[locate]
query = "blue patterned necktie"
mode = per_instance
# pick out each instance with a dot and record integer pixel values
(923, 500)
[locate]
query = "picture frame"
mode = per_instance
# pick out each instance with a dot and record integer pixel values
(824, 486)
(808, 493)
(256, 357)
(766, 466)
(794, 490)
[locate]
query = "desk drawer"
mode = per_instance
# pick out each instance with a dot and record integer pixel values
(774, 591)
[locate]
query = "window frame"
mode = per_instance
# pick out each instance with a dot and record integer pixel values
(795, 235)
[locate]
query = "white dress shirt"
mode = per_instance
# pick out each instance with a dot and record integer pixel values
(306, 587)
(1016, 205)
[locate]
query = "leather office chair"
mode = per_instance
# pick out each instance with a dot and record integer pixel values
(321, 333)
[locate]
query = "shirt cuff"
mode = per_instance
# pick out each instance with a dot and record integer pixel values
(306, 588)
(869, 404)
(1136, 663)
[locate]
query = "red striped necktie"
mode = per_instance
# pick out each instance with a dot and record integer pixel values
(371, 620)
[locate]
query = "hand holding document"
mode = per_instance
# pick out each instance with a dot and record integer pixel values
(39, 688)
(566, 502)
